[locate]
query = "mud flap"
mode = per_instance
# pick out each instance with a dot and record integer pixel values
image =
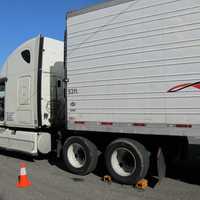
(161, 164)
(157, 168)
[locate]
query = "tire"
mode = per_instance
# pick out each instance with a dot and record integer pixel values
(80, 155)
(127, 161)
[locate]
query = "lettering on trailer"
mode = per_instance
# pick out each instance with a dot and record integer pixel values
(72, 91)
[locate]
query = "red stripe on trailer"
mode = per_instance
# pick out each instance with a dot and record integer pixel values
(139, 124)
(106, 123)
(79, 122)
(183, 126)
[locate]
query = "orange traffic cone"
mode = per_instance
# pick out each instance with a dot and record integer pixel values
(23, 180)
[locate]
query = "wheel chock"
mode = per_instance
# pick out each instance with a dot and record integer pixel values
(142, 184)
(107, 179)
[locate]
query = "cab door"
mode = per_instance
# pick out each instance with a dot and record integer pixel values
(21, 103)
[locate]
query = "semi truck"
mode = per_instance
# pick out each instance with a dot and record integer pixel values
(125, 85)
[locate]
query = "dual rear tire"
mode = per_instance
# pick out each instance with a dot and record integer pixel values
(127, 161)
(80, 155)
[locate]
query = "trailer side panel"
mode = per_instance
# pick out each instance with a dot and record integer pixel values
(135, 63)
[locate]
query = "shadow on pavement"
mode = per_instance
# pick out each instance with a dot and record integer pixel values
(17, 155)
(58, 162)
(186, 171)
(99, 171)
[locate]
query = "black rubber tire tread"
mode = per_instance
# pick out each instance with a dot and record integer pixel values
(91, 155)
(142, 160)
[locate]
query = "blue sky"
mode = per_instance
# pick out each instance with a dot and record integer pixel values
(23, 19)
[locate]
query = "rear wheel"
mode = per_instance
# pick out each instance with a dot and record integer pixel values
(80, 155)
(127, 161)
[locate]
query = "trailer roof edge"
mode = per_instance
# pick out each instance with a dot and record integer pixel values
(98, 6)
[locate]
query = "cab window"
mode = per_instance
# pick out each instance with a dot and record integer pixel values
(26, 55)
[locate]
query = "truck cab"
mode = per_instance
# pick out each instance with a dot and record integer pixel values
(30, 90)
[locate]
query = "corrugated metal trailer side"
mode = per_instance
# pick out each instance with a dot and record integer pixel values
(133, 66)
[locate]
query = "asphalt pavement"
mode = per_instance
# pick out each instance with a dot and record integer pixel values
(50, 180)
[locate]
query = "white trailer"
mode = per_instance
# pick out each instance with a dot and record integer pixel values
(135, 63)
(133, 72)
(127, 87)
